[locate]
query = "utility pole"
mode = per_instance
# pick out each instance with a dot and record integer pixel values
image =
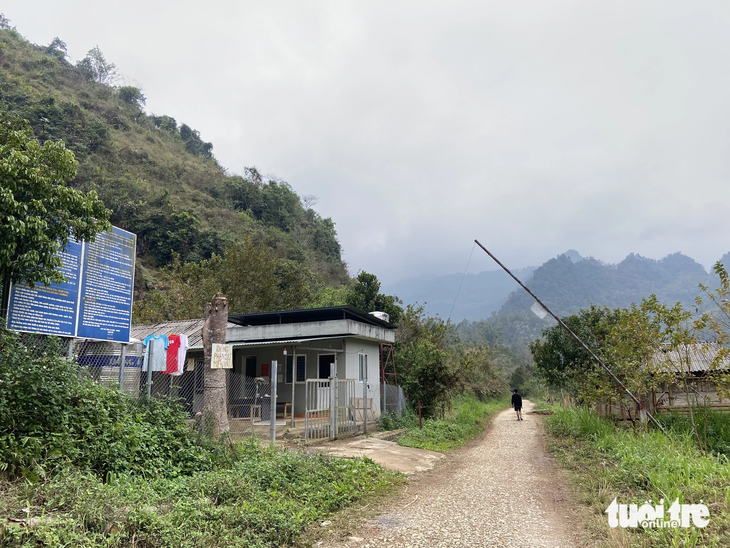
(576, 337)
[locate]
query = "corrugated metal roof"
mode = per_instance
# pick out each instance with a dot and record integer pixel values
(695, 358)
(192, 328)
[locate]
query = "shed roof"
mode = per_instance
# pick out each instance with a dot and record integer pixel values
(693, 358)
(192, 328)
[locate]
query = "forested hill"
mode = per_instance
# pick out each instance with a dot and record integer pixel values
(567, 285)
(158, 176)
(570, 282)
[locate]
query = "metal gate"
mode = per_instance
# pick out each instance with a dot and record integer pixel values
(317, 419)
(346, 412)
(329, 412)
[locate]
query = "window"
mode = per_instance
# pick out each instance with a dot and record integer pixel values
(289, 369)
(301, 369)
(363, 367)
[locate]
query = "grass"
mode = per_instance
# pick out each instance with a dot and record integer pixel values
(467, 419)
(266, 498)
(610, 462)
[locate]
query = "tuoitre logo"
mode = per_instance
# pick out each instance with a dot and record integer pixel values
(648, 516)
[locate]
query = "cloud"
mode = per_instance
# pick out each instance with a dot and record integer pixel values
(535, 126)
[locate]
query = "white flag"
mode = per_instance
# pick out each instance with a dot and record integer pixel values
(539, 310)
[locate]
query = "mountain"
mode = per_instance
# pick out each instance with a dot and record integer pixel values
(565, 283)
(567, 286)
(480, 294)
(158, 176)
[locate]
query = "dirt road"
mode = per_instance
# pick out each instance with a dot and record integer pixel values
(501, 490)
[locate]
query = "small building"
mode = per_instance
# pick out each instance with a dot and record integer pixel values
(694, 367)
(694, 374)
(340, 341)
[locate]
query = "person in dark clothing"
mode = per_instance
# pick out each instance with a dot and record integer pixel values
(517, 404)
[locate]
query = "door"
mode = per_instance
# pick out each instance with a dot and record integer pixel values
(325, 365)
(251, 366)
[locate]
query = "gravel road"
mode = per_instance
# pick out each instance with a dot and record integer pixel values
(500, 490)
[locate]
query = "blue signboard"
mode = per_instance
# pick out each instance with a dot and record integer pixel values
(49, 309)
(95, 302)
(105, 309)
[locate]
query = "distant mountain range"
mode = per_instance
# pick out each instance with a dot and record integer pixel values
(480, 294)
(566, 284)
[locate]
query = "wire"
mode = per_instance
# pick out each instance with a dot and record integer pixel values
(462, 281)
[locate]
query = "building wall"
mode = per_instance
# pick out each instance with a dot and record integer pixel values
(346, 352)
(355, 347)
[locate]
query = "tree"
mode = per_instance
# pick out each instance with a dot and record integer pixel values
(560, 359)
(95, 67)
(214, 380)
(425, 359)
(39, 212)
(251, 276)
(57, 48)
(132, 96)
(5, 23)
(364, 295)
(717, 320)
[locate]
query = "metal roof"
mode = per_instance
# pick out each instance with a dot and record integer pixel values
(308, 315)
(694, 358)
(192, 328)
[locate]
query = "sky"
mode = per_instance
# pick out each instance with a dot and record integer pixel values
(535, 126)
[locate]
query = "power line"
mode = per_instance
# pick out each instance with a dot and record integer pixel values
(462, 280)
(576, 337)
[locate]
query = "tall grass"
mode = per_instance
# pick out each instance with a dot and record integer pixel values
(636, 466)
(713, 427)
(467, 419)
(263, 500)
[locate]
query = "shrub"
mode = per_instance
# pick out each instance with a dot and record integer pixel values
(51, 418)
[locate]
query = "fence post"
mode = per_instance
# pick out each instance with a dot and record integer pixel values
(122, 362)
(365, 398)
(274, 387)
(293, 381)
(333, 402)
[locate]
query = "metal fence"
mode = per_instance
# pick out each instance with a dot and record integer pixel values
(328, 412)
(393, 399)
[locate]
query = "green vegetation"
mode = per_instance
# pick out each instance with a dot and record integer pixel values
(464, 422)
(158, 176)
(263, 498)
(434, 366)
(84, 465)
(714, 426)
(39, 212)
(364, 294)
(610, 462)
(51, 419)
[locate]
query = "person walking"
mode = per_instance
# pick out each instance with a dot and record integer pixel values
(517, 403)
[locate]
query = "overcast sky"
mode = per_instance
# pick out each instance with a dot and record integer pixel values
(535, 126)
